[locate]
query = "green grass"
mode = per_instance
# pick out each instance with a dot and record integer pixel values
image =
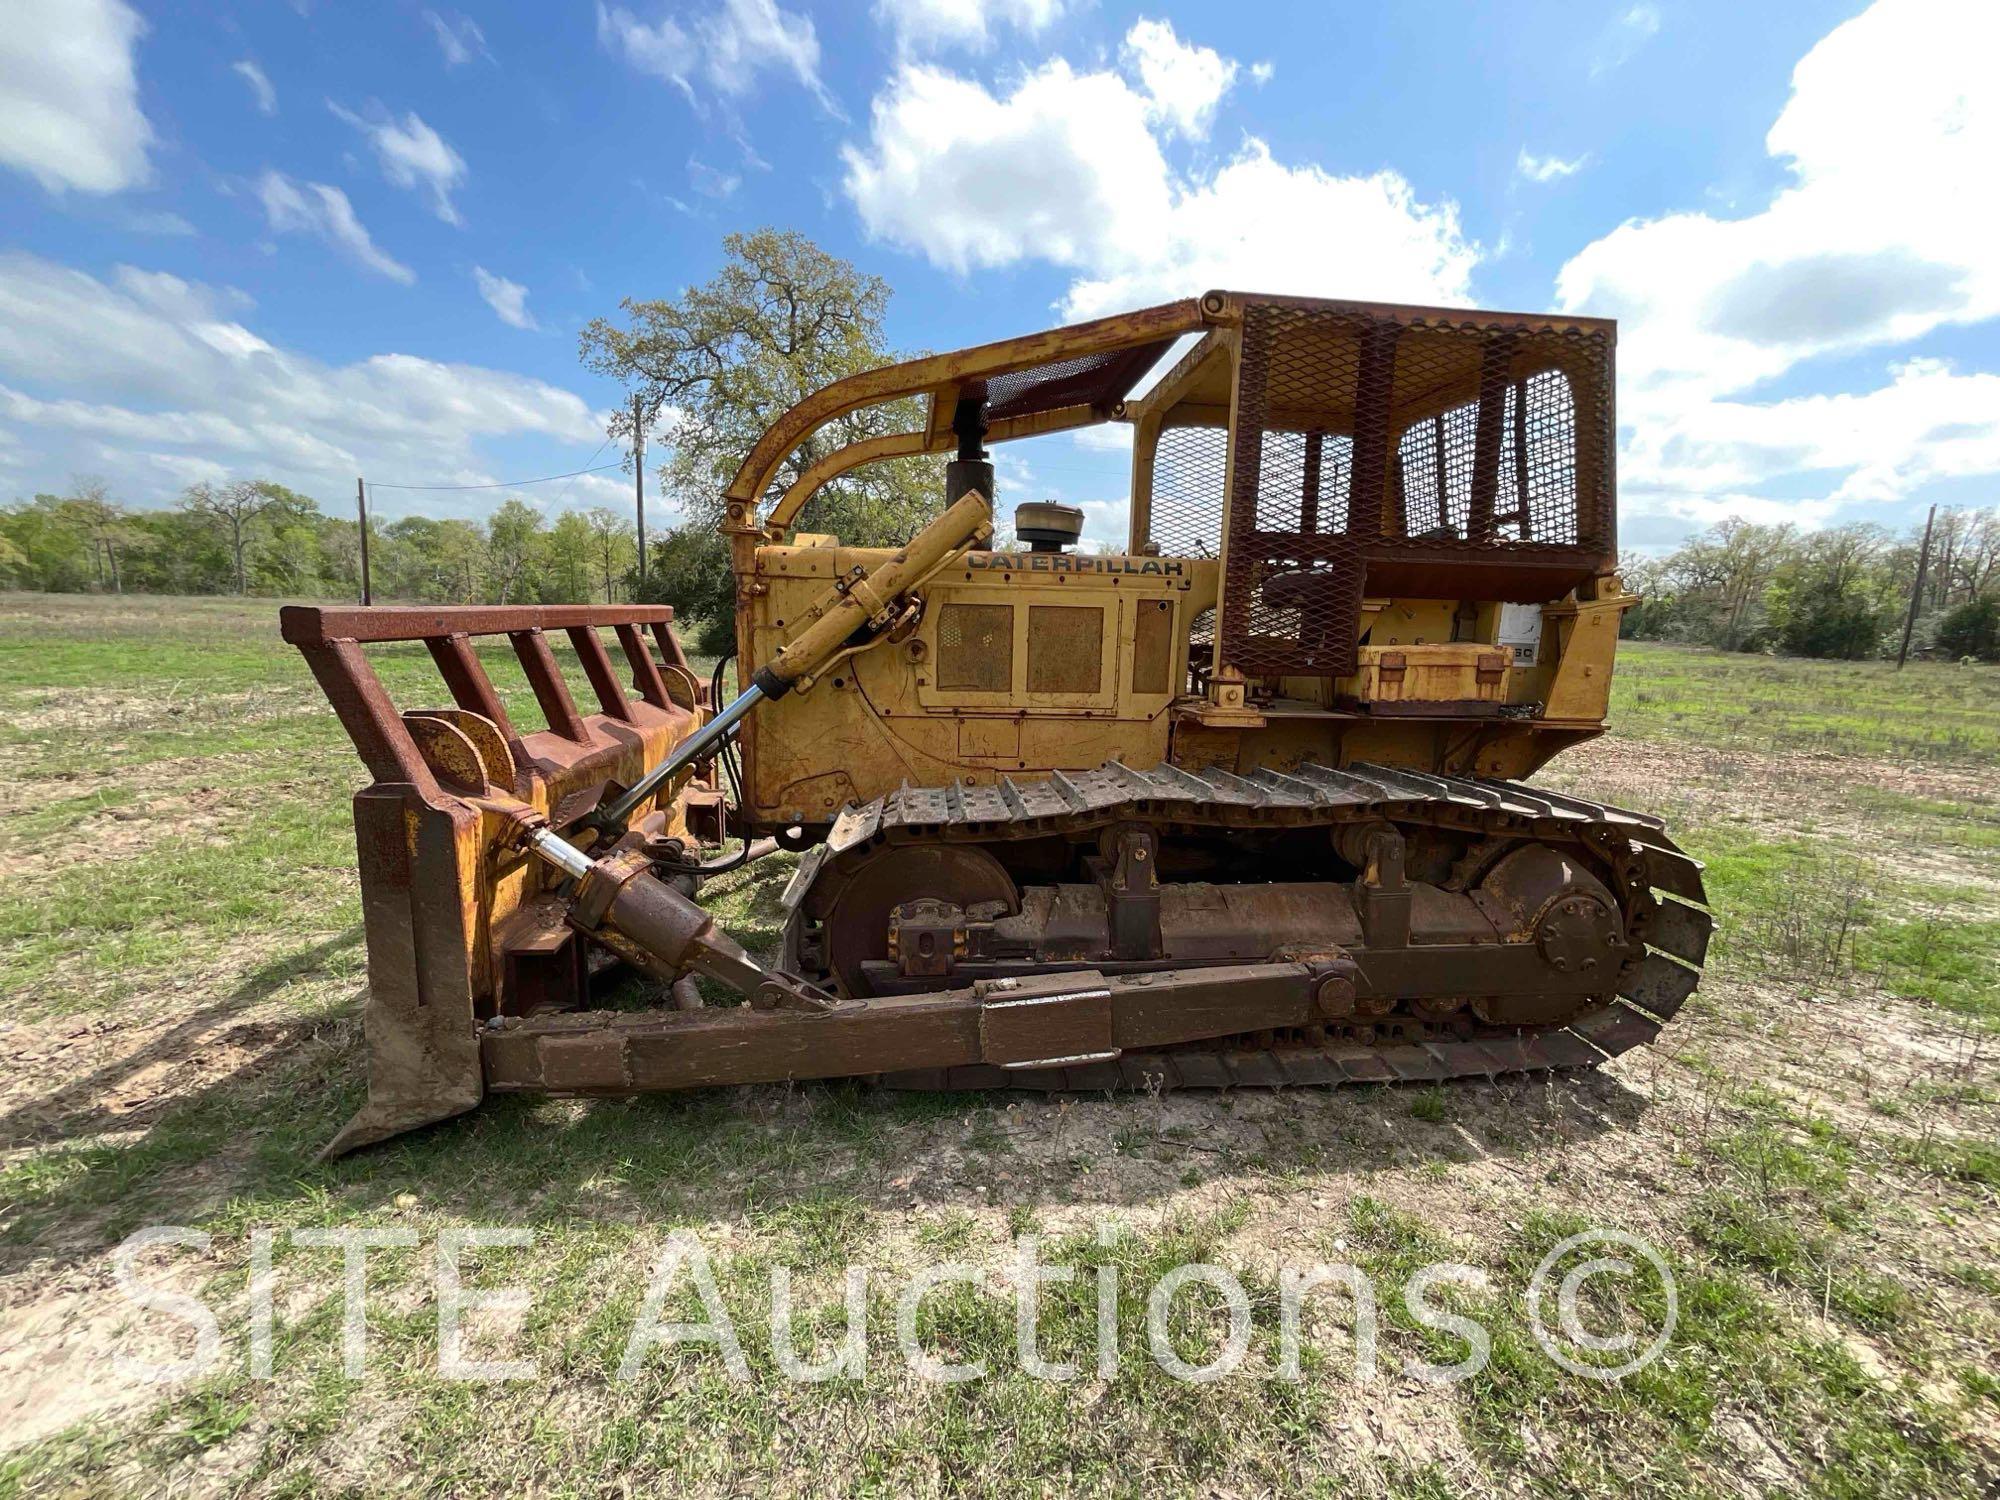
(186, 746)
(1799, 1389)
(1954, 824)
(1929, 712)
(158, 705)
(1785, 1205)
(683, 1419)
(1806, 910)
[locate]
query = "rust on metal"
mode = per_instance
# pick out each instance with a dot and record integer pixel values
(546, 680)
(456, 930)
(311, 624)
(1242, 805)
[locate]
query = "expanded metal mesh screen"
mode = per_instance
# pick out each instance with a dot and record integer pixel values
(1190, 470)
(1453, 458)
(1535, 489)
(1084, 380)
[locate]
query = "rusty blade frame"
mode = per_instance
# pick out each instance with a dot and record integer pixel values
(330, 640)
(449, 941)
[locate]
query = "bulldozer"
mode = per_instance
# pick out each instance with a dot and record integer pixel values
(1240, 803)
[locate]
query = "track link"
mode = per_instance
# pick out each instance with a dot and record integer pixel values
(1659, 886)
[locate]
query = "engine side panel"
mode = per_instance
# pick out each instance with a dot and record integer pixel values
(1023, 664)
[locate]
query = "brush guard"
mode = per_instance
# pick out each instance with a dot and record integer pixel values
(461, 927)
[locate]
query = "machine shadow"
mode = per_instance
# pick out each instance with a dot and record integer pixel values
(755, 1151)
(149, 1082)
(246, 1142)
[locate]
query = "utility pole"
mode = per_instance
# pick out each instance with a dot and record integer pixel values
(361, 507)
(1916, 589)
(639, 480)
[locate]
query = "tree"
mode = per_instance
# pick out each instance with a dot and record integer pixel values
(53, 547)
(104, 521)
(1837, 592)
(686, 564)
(612, 538)
(462, 559)
(718, 365)
(183, 553)
(569, 556)
(1976, 560)
(1832, 597)
(290, 552)
(233, 509)
(1971, 629)
(513, 537)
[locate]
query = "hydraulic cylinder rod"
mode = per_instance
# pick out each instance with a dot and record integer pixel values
(559, 852)
(647, 921)
(856, 604)
(691, 751)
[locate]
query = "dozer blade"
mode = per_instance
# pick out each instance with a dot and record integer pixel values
(459, 928)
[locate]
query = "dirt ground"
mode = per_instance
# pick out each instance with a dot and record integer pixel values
(1844, 1102)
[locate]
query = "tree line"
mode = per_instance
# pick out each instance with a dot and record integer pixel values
(783, 318)
(1840, 592)
(711, 368)
(255, 537)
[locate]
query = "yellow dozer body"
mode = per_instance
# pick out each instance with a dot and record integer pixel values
(1237, 803)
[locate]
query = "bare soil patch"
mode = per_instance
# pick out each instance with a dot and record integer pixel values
(1793, 794)
(105, 713)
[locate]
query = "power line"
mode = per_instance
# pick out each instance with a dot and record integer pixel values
(509, 484)
(572, 477)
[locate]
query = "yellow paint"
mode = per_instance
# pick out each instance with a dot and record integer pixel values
(879, 719)
(868, 722)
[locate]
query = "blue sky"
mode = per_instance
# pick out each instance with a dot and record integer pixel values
(313, 240)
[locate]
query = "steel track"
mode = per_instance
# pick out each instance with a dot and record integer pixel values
(1659, 885)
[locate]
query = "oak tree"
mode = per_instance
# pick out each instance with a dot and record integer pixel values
(716, 365)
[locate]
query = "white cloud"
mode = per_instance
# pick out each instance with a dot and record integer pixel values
(1878, 239)
(1928, 423)
(932, 25)
(612, 491)
(412, 155)
(1259, 225)
(155, 221)
(265, 96)
(727, 48)
(663, 49)
(711, 182)
(507, 298)
(1626, 34)
(69, 95)
(1548, 168)
(1062, 169)
(1184, 82)
(154, 381)
(458, 37)
(294, 207)
(1068, 169)
(748, 35)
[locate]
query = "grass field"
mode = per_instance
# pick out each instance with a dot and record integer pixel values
(1813, 1148)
